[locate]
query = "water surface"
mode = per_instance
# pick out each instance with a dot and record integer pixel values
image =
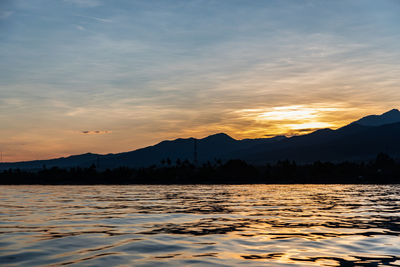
(197, 225)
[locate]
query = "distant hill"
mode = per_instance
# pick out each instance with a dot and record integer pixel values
(83, 160)
(360, 140)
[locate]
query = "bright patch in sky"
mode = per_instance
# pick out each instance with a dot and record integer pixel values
(289, 113)
(295, 119)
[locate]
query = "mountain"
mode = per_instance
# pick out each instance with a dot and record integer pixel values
(353, 143)
(391, 116)
(83, 160)
(217, 146)
(360, 140)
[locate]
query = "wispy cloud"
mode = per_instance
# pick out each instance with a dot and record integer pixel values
(95, 18)
(81, 28)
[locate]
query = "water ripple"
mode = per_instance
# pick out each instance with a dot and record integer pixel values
(218, 225)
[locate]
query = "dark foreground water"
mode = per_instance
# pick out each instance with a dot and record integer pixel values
(218, 225)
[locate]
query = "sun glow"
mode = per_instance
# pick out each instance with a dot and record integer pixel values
(288, 113)
(292, 120)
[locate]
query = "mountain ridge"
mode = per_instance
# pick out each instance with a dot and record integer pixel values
(359, 140)
(391, 116)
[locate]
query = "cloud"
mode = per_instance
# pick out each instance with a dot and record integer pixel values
(95, 132)
(95, 18)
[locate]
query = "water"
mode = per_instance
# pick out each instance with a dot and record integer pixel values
(218, 225)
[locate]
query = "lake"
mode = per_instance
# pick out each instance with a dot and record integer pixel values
(197, 225)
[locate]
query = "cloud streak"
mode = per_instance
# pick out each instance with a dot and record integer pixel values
(95, 18)
(95, 132)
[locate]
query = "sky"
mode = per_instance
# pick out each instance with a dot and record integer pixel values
(101, 76)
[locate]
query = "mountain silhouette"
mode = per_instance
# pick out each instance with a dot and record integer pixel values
(391, 116)
(217, 146)
(353, 143)
(360, 140)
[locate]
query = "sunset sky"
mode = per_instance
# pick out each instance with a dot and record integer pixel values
(101, 76)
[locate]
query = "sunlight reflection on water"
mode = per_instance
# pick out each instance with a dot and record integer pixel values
(219, 225)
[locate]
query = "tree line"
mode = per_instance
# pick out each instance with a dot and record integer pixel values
(382, 170)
